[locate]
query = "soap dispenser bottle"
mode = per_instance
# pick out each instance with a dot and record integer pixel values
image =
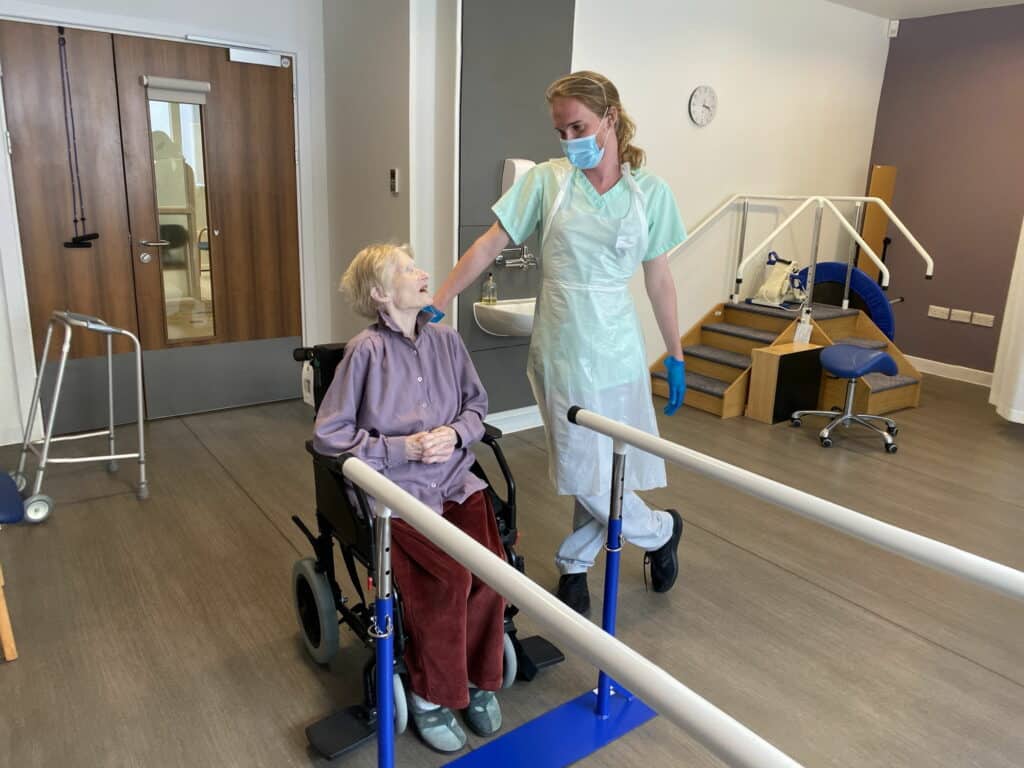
(489, 292)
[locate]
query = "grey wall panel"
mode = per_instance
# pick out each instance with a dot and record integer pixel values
(507, 385)
(83, 394)
(209, 378)
(511, 52)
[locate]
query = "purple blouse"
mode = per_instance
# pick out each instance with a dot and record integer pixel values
(388, 387)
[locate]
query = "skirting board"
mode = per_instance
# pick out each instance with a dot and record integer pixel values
(949, 371)
(10, 437)
(516, 420)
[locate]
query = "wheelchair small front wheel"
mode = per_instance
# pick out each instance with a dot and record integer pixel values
(511, 662)
(315, 610)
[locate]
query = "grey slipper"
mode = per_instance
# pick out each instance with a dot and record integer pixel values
(484, 712)
(439, 729)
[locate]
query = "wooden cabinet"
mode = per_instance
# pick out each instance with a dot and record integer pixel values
(783, 378)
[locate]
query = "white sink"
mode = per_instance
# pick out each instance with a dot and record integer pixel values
(510, 317)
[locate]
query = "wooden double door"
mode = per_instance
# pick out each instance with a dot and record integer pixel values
(182, 163)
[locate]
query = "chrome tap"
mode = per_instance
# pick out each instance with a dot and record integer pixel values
(517, 258)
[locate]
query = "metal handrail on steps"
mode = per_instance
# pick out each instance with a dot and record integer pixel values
(821, 202)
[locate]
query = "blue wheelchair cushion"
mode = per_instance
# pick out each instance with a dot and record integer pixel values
(847, 361)
(11, 507)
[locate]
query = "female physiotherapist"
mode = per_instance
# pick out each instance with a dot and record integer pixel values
(600, 216)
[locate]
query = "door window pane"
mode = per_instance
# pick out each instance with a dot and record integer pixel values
(185, 264)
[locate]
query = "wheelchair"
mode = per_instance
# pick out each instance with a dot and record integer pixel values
(344, 516)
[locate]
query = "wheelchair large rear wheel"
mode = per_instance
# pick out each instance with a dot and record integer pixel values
(315, 610)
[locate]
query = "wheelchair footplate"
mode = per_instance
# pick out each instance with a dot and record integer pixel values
(534, 654)
(342, 731)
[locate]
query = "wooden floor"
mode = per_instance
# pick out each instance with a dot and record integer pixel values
(162, 633)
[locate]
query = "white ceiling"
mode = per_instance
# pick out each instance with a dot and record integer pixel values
(909, 9)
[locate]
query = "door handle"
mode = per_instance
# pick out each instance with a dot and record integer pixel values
(154, 243)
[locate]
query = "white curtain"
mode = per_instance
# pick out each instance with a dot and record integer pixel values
(1007, 393)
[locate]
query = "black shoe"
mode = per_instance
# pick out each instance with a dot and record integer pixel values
(572, 590)
(664, 561)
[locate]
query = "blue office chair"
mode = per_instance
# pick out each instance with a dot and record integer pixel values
(848, 361)
(12, 508)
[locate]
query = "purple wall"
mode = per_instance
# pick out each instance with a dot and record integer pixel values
(951, 119)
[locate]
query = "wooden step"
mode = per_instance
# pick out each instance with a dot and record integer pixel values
(735, 338)
(862, 342)
(742, 314)
(875, 393)
(714, 362)
(706, 393)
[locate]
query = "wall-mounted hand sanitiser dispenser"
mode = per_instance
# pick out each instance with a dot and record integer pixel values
(514, 169)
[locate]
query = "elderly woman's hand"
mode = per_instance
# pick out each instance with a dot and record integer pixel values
(414, 446)
(438, 445)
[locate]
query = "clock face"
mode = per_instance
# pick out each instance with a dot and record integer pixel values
(703, 104)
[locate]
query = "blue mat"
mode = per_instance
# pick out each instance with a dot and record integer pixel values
(562, 736)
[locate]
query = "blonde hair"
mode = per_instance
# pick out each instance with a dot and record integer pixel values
(373, 267)
(598, 94)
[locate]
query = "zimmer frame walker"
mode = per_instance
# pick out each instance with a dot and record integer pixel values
(38, 505)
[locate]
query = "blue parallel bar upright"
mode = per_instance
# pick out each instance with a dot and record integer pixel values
(611, 575)
(383, 634)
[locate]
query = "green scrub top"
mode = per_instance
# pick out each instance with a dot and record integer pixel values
(522, 209)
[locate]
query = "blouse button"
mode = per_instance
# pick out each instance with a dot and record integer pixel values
(419, 378)
(433, 485)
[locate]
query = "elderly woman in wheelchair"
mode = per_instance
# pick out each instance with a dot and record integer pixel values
(407, 400)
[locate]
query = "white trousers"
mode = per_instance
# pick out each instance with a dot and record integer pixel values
(642, 526)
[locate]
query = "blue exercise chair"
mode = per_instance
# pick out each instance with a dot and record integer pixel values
(847, 361)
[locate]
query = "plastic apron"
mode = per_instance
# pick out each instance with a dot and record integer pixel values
(587, 348)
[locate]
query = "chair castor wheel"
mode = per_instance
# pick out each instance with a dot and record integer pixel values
(826, 442)
(38, 508)
(890, 447)
(795, 422)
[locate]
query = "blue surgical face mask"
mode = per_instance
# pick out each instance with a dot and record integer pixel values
(583, 152)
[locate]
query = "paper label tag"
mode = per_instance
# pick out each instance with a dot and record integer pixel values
(803, 333)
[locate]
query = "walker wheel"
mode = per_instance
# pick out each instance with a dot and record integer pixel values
(112, 466)
(315, 610)
(890, 448)
(795, 422)
(38, 508)
(826, 442)
(893, 430)
(20, 481)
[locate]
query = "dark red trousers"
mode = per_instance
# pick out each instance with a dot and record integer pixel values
(455, 622)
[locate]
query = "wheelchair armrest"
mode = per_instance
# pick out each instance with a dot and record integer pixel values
(491, 433)
(333, 464)
(490, 439)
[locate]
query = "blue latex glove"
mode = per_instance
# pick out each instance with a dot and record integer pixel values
(436, 315)
(676, 384)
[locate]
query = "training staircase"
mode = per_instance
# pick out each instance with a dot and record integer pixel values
(718, 350)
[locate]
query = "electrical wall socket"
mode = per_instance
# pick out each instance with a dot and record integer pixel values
(940, 313)
(980, 318)
(960, 315)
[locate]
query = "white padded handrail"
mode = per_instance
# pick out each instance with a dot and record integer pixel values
(721, 734)
(919, 548)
